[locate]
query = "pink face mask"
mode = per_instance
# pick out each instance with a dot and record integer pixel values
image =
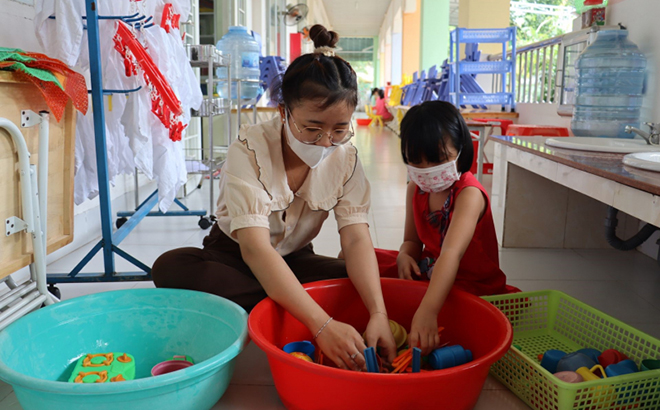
(435, 179)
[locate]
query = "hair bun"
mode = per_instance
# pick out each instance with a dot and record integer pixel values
(322, 37)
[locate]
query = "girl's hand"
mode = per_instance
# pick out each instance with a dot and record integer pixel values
(343, 345)
(379, 333)
(424, 332)
(407, 266)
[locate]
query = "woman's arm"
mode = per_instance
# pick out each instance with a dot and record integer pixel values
(362, 266)
(362, 269)
(411, 249)
(339, 341)
(470, 206)
(277, 279)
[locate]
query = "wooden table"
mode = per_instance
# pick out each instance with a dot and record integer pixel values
(547, 197)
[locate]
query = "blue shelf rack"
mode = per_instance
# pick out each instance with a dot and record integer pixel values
(109, 243)
(505, 68)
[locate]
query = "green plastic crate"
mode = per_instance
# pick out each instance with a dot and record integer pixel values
(550, 319)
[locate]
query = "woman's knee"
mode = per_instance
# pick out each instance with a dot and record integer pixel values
(169, 268)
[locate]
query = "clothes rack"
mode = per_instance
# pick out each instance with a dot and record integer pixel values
(109, 243)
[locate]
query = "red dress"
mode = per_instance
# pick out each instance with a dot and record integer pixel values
(479, 271)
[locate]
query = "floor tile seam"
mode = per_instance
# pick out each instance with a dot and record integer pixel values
(654, 303)
(9, 392)
(232, 383)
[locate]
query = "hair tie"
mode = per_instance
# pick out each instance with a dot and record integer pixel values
(325, 50)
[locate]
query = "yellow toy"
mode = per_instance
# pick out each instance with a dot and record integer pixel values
(301, 356)
(375, 118)
(399, 332)
(603, 396)
(104, 368)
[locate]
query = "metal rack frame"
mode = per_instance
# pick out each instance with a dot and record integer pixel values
(26, 297)
(211, 58)
(109, 243)
(504, 68)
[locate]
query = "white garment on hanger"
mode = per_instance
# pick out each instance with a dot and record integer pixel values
(135, 137)
(138, 129)
(168, 156)
(120, 157)
(61, 37)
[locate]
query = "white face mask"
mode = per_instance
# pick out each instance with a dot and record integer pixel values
(312, 155)
(435, 179)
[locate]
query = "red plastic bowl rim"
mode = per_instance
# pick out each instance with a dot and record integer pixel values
(279, 354)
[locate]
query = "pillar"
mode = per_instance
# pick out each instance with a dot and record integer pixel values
(411, 36)
(484, 14)
(434, 47)
(376, 58)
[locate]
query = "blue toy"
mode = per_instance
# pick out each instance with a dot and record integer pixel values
(573, 361)
(372, 362)
(550, 360)
(417, 360)
(449, 356)
(621, 368)
(304, 347)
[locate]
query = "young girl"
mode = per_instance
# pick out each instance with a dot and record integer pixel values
(449, 233)
(381, 106)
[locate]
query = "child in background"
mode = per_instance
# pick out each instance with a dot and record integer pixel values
(373, 97)
(449, 233)
(381, 106)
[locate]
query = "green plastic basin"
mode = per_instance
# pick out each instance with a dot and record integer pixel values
(39, 351)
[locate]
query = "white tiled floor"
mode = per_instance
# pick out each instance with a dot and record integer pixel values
(624, 285)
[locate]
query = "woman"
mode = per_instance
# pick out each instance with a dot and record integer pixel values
(277, 187)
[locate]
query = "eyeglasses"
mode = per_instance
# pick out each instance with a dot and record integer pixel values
(312, 135)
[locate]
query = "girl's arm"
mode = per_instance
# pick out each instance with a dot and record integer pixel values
(411, 249)
(470, 206)
(338, 340)
(362, 269)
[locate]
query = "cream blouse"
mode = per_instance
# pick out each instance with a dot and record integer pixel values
(254, 190)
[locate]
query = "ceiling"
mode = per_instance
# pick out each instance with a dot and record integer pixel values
(365, 17)
(350, 20)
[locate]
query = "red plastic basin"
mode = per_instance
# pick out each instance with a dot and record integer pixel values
(363, 121)
(468, 320)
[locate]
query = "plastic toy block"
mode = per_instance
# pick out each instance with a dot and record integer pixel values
(104, 368)
(417, 360)
(372, 362)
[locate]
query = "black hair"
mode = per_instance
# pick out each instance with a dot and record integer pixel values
(374, 91)
(316, 76)
(425, 130)
(381, 93)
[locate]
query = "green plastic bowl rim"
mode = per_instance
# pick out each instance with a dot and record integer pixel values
(192, 373)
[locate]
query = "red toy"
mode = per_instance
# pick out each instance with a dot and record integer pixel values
(164, 103)
(611, 356)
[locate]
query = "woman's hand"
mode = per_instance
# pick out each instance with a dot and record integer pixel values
(379, 333)
(407, 266)
(424, 331)
(343, 345)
